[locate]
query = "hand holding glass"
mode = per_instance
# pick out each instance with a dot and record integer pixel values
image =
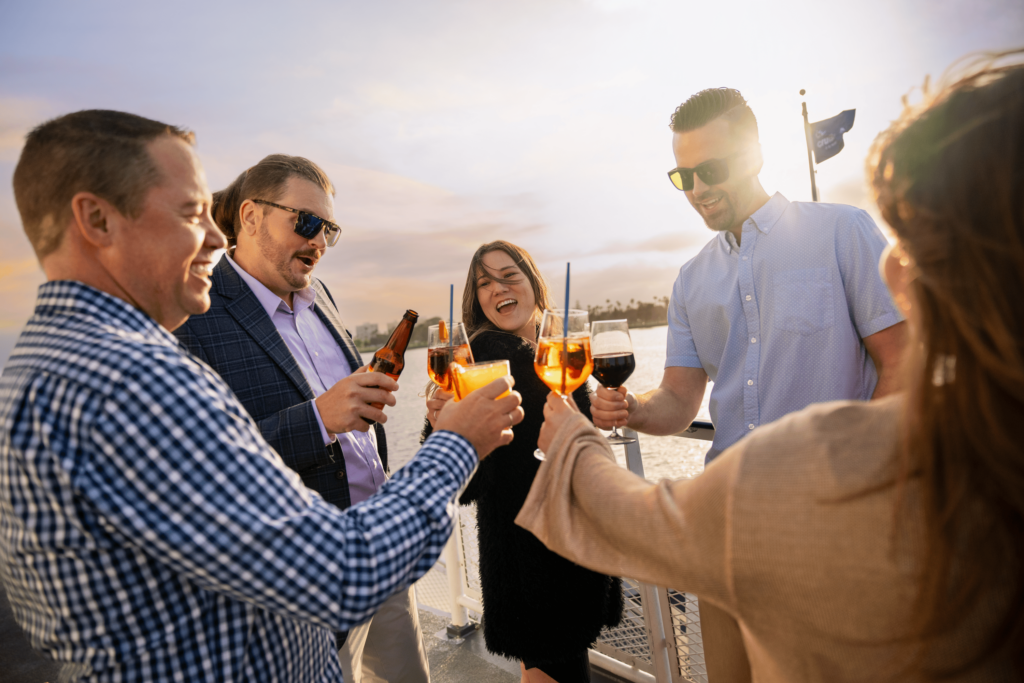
(443, 352)
(563, 360)
(469, 378)
(612, 351)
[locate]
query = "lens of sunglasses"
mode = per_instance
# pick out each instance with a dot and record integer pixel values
(712, 172)
(332, 235)
(683, 180)
(309, 226)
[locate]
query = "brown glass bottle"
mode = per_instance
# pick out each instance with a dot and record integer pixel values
(390, 358)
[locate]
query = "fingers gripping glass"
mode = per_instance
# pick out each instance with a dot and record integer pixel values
(308, 225)
(711, 172)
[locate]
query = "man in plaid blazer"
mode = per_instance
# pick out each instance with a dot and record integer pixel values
(274, 334)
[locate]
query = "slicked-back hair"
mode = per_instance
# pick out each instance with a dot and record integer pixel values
(708, 105)
(265, 180)
(96, 150)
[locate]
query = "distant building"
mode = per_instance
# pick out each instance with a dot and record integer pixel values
(366, 331)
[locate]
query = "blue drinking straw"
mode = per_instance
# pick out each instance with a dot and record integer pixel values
(451, 313)
(565, 326)
(565, 329)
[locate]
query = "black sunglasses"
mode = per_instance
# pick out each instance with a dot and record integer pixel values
(711, 172)
(308, 225)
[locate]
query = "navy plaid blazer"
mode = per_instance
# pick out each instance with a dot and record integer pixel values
(238, 339)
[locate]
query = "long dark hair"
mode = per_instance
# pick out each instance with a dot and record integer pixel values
(949, 179)
(472, 314)
(265, 180)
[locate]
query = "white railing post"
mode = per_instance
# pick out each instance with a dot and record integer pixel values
(657, 611)
(455, 568)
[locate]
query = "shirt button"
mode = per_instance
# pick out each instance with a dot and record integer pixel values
(316, 353)
(340, 474)
(750, 426)
(753, 340)
(748, 297)
(750, 382)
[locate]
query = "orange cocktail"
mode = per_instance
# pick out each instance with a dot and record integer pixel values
(564, 365)
(469, 378)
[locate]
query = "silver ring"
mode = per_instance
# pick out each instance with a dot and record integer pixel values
(511, 422)
(435, 416)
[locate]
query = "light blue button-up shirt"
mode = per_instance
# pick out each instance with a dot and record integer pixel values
(777, 322)
(323, 364)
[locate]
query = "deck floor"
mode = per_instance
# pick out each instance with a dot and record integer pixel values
(450, 662)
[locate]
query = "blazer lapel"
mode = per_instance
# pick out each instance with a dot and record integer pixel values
(252, 317)
(325, 308)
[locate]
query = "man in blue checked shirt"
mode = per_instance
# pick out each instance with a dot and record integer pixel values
(147, 531)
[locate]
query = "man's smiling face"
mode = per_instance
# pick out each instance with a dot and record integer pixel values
(719, 205)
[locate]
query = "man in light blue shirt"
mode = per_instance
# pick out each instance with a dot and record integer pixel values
(783, 308)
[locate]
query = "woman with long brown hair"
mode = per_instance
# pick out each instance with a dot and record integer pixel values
(862, 541)
(523, 583)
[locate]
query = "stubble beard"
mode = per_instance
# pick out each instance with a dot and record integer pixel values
(281, 260)
(724, 218)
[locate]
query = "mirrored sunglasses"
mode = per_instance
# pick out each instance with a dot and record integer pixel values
(308, 225)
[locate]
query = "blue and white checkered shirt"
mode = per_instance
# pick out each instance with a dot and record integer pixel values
(778, 321)
(148, 533)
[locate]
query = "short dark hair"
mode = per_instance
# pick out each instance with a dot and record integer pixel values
(96, 150)
(265, 180)
(708, 105)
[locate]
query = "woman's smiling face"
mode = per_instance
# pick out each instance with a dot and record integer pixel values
(509, 304)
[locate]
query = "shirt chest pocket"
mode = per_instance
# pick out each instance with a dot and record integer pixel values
(802, 300)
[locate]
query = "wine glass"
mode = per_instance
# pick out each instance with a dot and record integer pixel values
(612, 350)
(563, 360)
(443, 351)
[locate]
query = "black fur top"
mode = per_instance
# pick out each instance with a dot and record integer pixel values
(537, 605)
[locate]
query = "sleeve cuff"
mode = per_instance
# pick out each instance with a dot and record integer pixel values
(880, 323)
(454, 450)
(683, 362)
(328, 438)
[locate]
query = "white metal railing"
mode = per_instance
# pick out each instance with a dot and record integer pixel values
(659, 639)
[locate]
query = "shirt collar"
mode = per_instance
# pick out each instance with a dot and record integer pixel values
(271, 302)
(69, 297)
(769, 214)
(763, 219)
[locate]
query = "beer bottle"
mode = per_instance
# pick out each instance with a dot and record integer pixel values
(390, 358)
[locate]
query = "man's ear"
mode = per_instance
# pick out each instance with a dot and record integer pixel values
(250, 214)
(93, 218)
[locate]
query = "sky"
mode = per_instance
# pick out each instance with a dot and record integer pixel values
(447, 124)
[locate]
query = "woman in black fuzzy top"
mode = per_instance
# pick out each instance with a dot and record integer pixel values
(538, 607)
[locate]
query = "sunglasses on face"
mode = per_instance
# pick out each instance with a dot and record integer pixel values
(711, 172)
(308, 225)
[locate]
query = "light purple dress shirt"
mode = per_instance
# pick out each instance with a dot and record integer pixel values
(323, 364)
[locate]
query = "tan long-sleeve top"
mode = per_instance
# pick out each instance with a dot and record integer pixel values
(819, 579)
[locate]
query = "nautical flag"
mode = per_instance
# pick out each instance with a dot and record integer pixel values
(827, 135)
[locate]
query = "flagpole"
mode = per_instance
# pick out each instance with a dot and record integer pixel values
(810, 158)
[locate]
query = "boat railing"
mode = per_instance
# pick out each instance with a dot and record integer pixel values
(659, 638)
